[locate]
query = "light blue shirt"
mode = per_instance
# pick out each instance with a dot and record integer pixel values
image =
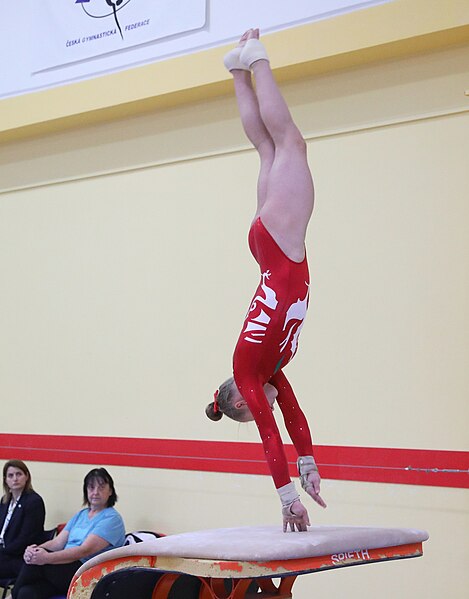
(107, 524)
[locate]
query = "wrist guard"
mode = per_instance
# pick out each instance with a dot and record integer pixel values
(288, 495)
(306, 464)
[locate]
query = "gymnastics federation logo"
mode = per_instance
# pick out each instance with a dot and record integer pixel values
(100, 9)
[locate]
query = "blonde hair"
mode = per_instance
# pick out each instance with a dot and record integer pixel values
(225, 403)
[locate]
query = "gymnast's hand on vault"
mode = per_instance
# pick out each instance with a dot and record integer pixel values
(295, 517)
(314, 486)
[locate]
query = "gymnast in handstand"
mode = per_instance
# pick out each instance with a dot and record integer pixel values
(269, 337)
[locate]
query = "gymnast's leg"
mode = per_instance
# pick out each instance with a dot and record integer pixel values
(252, 122)
(289, 187)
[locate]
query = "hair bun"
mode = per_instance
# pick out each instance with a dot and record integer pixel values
(210, 411)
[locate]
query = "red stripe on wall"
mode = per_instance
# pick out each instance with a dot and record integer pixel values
(438, 468)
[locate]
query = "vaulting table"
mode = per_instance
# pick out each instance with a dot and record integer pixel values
(236, 563)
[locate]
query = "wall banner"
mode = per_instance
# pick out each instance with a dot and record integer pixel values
(72, 31)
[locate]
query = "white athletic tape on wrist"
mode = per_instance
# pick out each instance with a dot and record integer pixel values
(306, 465)
(252, 51)
(288, 495)
(232, 61)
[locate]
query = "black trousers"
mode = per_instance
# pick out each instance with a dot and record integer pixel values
(42, 582)
(10, 565)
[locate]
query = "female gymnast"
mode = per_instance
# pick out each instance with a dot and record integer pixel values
(269, 337)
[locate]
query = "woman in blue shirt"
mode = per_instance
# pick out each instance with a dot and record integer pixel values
(49, 568)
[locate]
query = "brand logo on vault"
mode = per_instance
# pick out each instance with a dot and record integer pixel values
(101, 9)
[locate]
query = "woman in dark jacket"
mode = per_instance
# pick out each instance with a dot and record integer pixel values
(22, 515)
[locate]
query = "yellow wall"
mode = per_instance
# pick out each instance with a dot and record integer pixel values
(125, 275)
(112, 275)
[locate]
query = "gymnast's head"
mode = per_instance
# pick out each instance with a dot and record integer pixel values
(229, 401)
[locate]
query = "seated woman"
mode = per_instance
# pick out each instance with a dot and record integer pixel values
(22, 515)
(49, 568)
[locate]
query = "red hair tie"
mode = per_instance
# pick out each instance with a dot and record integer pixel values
(215, 402)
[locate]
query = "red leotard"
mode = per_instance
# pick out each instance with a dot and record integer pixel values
(268, 341)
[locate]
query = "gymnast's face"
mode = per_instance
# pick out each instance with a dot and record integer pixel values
(240, 404)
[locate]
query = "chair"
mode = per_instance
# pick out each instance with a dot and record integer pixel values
(50, 534)
(8, 583)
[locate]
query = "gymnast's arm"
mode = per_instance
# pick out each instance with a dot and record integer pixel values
(298, 429)
(294, 513)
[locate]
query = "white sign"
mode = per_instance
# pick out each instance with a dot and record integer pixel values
(55, 42)
(70, 31)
